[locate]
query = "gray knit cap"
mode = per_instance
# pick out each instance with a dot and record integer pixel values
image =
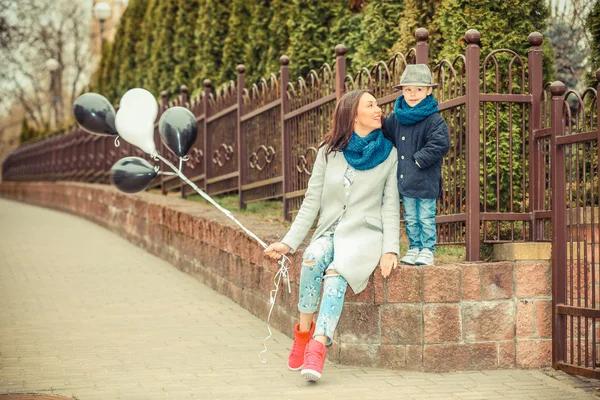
(416, 75)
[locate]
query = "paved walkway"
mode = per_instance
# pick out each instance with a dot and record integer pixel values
(84, 313)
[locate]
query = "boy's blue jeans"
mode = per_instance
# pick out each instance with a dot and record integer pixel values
(316, 261)
(419, 216)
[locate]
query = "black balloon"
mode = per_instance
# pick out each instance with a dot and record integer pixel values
(95, 114)
(132, 174)
(178, 130)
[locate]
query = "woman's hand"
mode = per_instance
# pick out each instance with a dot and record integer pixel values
(277, 250)
(388, 262)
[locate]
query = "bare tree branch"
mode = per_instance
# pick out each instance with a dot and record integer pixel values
(37, 30)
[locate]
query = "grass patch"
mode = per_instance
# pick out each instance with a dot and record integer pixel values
(270, 210)
(444, 253)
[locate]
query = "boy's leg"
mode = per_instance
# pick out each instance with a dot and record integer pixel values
(427, 212)
(413, 229)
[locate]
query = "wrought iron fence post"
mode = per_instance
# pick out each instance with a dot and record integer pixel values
(206, 107)
(422, 47)
(472, 225)
(559, 224)
(184, 95)
(241, 137)
(536, 158)
(163, 107)
(340, 71)
(53, 160)
(286, 146)
(598, 123)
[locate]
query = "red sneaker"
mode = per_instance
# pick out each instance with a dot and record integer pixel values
(296, 358)
(314, 359)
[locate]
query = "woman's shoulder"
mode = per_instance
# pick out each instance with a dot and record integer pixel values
(393, 155)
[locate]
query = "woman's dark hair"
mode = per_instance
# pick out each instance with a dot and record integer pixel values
(338, 136)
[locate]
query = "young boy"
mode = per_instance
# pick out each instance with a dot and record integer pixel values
(420, 135)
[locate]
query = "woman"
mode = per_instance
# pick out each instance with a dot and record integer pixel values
(353, 189)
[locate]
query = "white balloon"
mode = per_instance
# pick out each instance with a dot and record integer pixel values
(140, 101)
(137, 131)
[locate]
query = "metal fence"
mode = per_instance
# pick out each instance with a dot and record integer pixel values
(260, 140)
(574, 134)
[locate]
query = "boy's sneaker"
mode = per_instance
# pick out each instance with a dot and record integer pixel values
(410, 257)
(425, 257)
(314, 358)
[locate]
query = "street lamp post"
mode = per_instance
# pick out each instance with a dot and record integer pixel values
(102, 13)
(53, 65)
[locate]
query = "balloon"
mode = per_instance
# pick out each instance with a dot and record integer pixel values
(135, 119)
(132, 174)
(138, 132)
(141, 102)
(178, 130)
(95, 114)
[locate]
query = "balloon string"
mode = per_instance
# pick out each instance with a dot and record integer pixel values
(283, 271)
(117, 143)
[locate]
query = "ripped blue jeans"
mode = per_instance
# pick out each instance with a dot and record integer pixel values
(317, 260)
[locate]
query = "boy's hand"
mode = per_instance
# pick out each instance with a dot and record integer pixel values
(277, 250)
(388, 262)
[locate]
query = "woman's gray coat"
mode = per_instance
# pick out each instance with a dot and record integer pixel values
(370, 217)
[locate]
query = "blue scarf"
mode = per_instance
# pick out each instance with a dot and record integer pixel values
(408, 115)
(368, 152)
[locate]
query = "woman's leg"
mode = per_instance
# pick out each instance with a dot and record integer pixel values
(331, 307)
(317, 258)
(329, 316)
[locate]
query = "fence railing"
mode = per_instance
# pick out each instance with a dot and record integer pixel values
(260, 140)
(574, 133)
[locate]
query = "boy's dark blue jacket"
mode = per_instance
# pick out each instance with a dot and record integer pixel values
(426, 142)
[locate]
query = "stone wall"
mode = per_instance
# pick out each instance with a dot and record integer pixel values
(466, 316)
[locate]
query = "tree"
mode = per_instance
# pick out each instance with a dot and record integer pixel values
(129, 64)
(112, 74)
(502, 131)
(309, 24)
(419, 14)
(184, 50)
(347, 30)
(143, 48)
(9, 27)
(33, 32)
(237, 36)
(210, 34)
(519, 19)
(257, 45)
(379, 33)
(568, 37)
(593, 27)
(162, 58)
(278, 39)
(27, 133)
